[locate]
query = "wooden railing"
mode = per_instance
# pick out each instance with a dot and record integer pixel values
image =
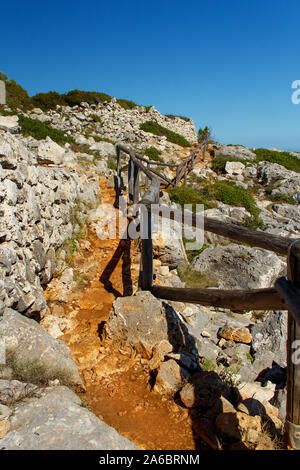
(285, 295)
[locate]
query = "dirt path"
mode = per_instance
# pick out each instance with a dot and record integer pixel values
(117, 382)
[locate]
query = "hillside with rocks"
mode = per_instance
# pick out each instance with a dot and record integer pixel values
(85, 351)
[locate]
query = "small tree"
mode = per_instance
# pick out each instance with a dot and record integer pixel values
(205, 135)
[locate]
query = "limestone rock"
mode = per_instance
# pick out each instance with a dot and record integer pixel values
(235, 151)
(170, 377)
(256, 391)
(50, 152)
(4, 428)
(29, 343)
(54, 420)
(269, 341)
(14, 390)
(239, 267)
(9, 123)
(143, 321)
(239, 335)
(234, 168)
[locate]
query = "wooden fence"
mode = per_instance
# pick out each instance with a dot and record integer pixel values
(285, 295)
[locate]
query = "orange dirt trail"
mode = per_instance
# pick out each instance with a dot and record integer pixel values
(117, 382)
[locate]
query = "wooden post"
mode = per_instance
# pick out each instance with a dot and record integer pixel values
(146, 178)
(130, 180)
(192, 160)
(147, 253)
(292, 422)
(177, 176)
(185, 174)
(136, 184)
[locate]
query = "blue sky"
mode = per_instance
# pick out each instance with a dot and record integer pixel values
(227, 64)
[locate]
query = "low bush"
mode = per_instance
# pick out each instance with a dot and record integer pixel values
(97, 138)
(75, 97)
(208, 193)
(156, 129)
(285, 159)
(228, 193)
(35, 372)
(96, 118)
(282, 198)
(187, 195)
(40, 130)
(193, 278)
(49, 100)
(111, 163)
(17, 96)
(153, 154)
(174, 116)
(127, 104)
(72, 98)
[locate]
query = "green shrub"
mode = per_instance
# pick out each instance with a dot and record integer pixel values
(49, 100)
(97, 138)
(207, 193)
(154, 154)
(111, 163)
(191, 254)
(228, 193)
(127, 104)
(96, 118)
(193, 278)
(285, 159)
(186, 195)
(253, 222)
(173, 116)
(40, 130)
(16, 96)
(280, 198)
(157, 129)
(35, 372)
(219, 163)
(75, 97)
(81, 148)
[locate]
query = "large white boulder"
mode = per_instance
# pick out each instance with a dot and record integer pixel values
(50, 152)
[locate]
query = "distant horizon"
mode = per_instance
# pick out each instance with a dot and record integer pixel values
(228, 65)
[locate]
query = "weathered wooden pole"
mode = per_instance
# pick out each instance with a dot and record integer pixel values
(130, 180)
(185, 174)
(147, 250)
(136, 184)
(177, 176)
(293, 366)
(290, 292)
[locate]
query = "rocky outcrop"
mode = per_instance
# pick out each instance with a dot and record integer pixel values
(239, 267)
(112, 121)
(35, 204)
(54, 419)
(283, 180)
(29, 346)
(234, 151)
(142, 321)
